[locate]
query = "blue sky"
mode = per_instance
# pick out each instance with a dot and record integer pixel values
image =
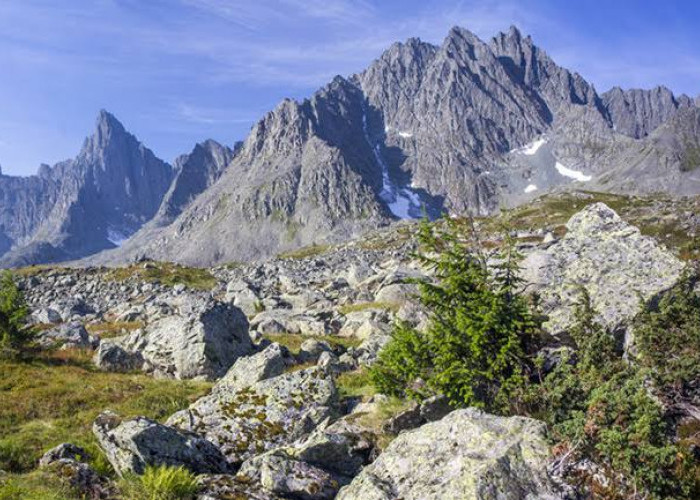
(180, 71)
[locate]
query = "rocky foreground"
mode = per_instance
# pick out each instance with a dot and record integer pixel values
(280, 339)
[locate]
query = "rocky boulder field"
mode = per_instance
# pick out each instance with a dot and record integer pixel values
(282, 348)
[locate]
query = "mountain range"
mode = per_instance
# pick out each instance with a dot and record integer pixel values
(468, 126)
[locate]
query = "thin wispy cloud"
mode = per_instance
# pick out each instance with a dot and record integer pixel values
(199, 62)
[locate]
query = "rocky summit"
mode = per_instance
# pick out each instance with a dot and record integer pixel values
(463, 127)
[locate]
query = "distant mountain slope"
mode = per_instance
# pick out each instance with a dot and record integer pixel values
(84, 205)
(467, 126)
(638, 112)
(194, 173)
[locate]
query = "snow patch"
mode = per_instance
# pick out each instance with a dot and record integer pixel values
(530, 188)
(532, 148)
(116, 237)
(403, 202)
(573, 174)
(405, 135)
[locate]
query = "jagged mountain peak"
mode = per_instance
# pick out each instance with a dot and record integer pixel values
(109, 135)
(462, 34)
(107, 120)
(637, 112)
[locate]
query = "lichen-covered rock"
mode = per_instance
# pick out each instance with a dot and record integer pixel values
(268, 414)
(248, 370)
(202, 340)
(131, 445)
(220, 486)
(65, 335)
(63, 451)
(114, 358)
(292, 478)
(396, 293)
(311, 350)
(242, 295)
(80, 478)
(430, 410)
(337, 448)
(610, 259)
(468, 455)
(46, 315)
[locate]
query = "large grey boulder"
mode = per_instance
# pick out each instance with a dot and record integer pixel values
(201, 340)
(608, 257)
(131, 445)
(46, 315)
(248, 370)
(268, 414)
(112, 357)
(468, 455)
(66, 335)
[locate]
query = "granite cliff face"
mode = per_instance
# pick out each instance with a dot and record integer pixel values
(467, 126)
(193, 173)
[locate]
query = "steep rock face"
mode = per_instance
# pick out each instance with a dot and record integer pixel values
(638, 112)
(93, 202)
(463, 127)
(440, 113)
(305, 174)
(424, 125)
(24, 203)
(531, 66)
(194, 173)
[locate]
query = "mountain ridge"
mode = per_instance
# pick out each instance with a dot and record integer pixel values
(466, 126)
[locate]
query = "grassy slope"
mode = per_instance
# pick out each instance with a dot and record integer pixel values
(49, 399)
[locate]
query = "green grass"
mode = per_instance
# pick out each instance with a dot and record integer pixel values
(36, 485)
(166, 273)
(355, 384)
(160, 483)
(54, 398)
(364, 306)
(293, 341)
(305, 252)
(39, 269)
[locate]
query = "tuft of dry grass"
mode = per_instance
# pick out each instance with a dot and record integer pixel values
(364, 306)
(112, 329)
(293, 341)
(166, 273)
(305, 252)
